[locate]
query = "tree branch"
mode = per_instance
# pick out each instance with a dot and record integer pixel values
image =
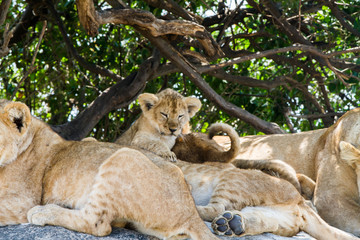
(340, 16)
(305, 92)
(221, 74)
(247, 81)
(4, 7)
(88, 66)
(28, 19)
(172, 6)
(92, 19)
(295, 47)
(117, 96)
(8, 34)
(32, 64)
(169, 52)
(317, 116)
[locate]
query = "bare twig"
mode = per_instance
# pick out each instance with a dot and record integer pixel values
(317, 116)
(305, 92)
(82, 62)
(295, 47)
(173, 7)
(32, 65)
(350, 50)
(299, 16)
(340, 16)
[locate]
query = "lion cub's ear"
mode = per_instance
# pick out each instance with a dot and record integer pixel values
(193, 105)
(17, 116)
(147, 101)
(349, 153)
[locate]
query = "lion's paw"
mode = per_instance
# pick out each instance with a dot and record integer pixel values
(228, 224)
(170, 156)
(41, 215)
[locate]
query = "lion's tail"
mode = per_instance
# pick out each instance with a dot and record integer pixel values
(273, 167)
(229, 155)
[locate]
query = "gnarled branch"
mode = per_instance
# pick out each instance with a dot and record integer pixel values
(117, 96)
(92, 19)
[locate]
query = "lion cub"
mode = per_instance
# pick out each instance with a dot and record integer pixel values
(200, 148)
(163, 117)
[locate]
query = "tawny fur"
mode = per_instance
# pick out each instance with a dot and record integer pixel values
(351, 155)
(217, 187)
(316, 154)
(265, 203)
(88, 186)
(199, 147)
(163, 118)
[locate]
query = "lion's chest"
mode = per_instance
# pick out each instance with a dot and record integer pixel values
(168, 140)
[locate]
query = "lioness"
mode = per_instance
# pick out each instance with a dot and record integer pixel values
(157, 127)
(316, 154)
(88, 186)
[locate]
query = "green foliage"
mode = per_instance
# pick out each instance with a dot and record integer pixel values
(59, 88)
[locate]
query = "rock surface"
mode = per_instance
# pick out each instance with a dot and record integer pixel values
(28, 231)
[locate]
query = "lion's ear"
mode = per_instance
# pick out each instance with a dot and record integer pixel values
(147, 101)
(17, 116)
(349, 153)
(193, 105)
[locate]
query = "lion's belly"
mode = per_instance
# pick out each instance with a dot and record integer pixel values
(202, 183)
(202, 194)
(70, 190)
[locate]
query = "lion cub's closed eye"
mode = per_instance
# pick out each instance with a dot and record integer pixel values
(163, 117)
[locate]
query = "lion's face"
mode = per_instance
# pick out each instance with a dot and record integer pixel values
(168, 110)
(14, 121)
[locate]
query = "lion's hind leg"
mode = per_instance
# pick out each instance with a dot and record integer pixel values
(284, 220)
(278, 219)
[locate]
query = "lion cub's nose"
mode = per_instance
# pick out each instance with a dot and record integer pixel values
(172, 130)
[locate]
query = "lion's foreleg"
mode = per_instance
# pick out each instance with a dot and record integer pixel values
(155, 145)
(13, 207)
(91, 221)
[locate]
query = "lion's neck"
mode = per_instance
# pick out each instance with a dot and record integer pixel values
(44, 142)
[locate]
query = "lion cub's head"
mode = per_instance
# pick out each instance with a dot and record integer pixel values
(15, 119)
(168, 110)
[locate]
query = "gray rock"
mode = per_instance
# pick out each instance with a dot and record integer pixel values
(29, 231)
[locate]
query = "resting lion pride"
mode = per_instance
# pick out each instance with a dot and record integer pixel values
(92, 186)
(317, 154)
(252, 197)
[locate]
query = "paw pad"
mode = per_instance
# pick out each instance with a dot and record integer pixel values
(228, 224)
